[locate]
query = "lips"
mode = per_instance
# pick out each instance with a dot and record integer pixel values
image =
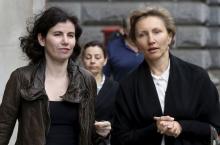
(64, 50)
(152, 49)
(92, 67)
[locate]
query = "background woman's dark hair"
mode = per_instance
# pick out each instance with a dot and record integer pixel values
(41, 24)
(92, 44)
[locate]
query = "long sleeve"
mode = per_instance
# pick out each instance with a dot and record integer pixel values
(126, 130)
(210, 111)
(9, 108)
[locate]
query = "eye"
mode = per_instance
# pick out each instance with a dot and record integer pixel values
(88, 57)
(57, 34)
(157, 31)
(98, 56)
(140, 35)
(71, 35)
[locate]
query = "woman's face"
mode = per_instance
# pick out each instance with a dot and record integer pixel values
(94, 60)
(152, 38)
(59, 41)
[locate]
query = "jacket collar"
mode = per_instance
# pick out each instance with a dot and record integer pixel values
(36, 88)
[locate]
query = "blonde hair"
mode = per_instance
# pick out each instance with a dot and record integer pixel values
(160, 12)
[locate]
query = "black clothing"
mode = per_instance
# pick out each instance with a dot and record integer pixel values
(105, 105)
(191, 98)
(105, 100)
(64, 129)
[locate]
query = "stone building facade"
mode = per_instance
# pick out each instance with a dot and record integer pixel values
(14, 15)
(198, 21)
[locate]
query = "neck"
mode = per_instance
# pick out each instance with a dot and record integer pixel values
(98, 78)
(56, 69)
(158, 67)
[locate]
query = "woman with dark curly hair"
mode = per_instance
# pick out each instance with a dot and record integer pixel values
(52, 98)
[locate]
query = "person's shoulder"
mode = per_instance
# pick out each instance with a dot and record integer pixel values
(24, 70)
(114, 37)
(22, 74)
(84, 71)
(77, 69)
(117, 40)
(86, 75)
(132, 76)
(190, 68)
(111, 81)
(27, 68)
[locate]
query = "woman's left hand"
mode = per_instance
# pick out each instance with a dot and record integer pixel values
(103, 128)
(175, 130)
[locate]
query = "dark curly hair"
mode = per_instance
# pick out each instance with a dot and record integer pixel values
(41, 24)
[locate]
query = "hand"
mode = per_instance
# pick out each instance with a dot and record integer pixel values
(163, 123)
(175, 130)
(166, 125)
(103, 128)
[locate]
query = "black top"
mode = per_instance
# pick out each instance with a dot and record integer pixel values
(105, 100)
(191, 98)
(64, 128)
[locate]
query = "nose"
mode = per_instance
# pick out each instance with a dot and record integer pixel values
(151, 39)
(92, 60)
(65, 39)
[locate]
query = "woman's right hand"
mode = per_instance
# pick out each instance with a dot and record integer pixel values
(166, 125)
(103, 128)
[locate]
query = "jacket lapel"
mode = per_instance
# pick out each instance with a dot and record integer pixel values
(148, 92)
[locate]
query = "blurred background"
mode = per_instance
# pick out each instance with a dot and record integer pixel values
(197, 39)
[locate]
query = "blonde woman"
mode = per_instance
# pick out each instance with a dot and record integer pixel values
(165, 101)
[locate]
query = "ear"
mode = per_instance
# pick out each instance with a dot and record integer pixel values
(170, 39)
(41, 39)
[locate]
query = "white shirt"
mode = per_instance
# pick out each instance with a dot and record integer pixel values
(160, 83)
(99, 86)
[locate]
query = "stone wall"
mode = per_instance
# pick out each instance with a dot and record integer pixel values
(13, 14)
(198, 21)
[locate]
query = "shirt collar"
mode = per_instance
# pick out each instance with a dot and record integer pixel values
(165, 74)
(101, 84)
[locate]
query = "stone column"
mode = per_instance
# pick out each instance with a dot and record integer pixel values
(13, 15)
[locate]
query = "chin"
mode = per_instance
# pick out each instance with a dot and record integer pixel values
(153, 56)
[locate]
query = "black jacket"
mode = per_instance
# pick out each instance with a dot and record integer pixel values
(105, 100)
(191, 98)
(25, 99)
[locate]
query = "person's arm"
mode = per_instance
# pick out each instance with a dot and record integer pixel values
(124, 128)
(209, 111)
(9, 108)
(89, 110)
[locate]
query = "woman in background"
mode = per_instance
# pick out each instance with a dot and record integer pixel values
(52, 98)
(94, 57)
